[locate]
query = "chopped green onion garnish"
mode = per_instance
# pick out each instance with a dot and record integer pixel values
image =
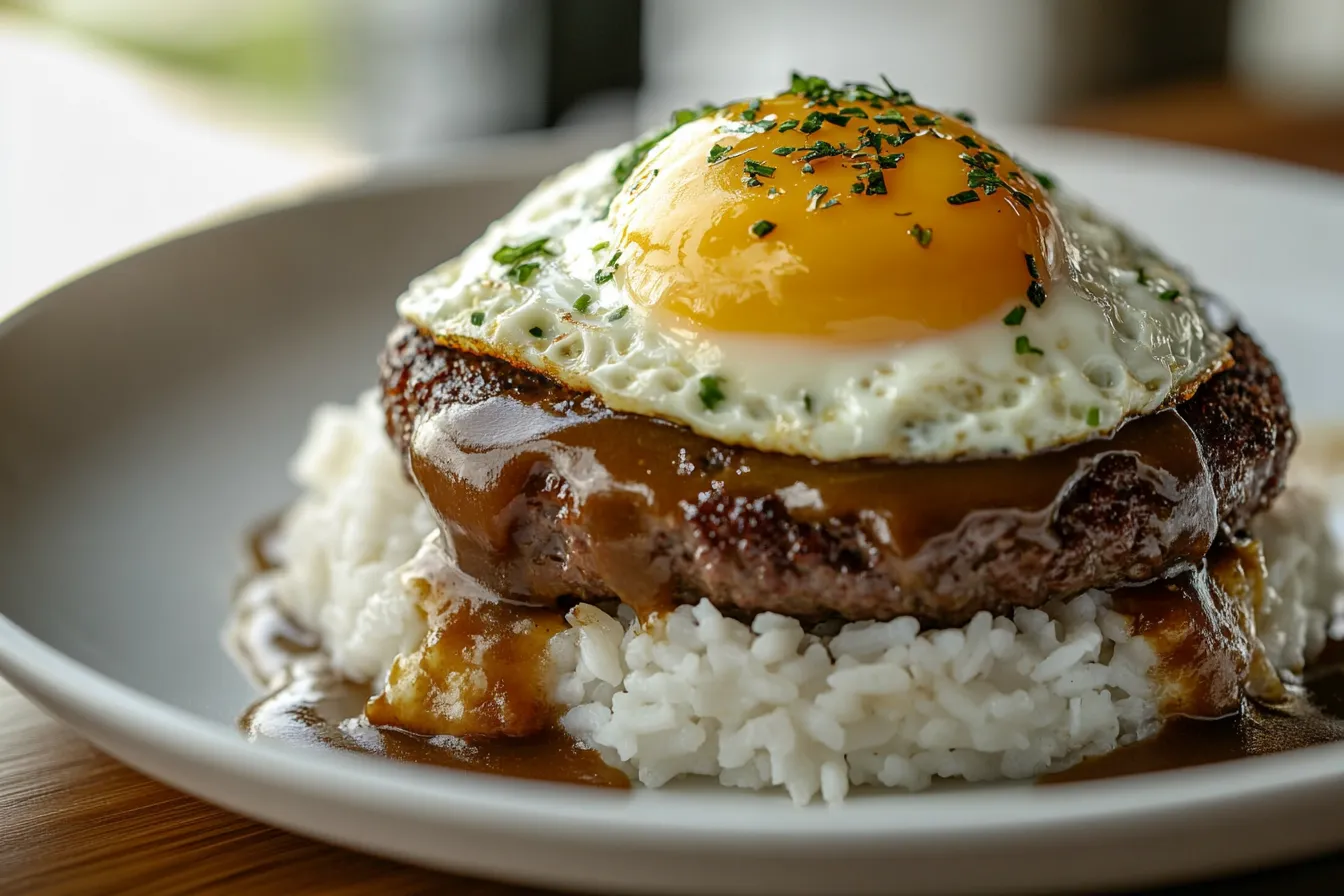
(762, 227)
(1042, 178)
(582, 302)
(1094, 416)
(536, 331)
(477, 318)
(922, 235)
(523, 272)
(716, 152)
(1024, 347)
(1014, 317)
(964, 197)
(1036, 294)
(711, 391)
(515, 254)
(619, 313)
(1168, 295)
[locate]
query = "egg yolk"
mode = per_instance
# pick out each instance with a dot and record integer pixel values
(854, 219)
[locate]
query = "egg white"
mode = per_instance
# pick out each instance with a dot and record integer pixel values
(1111, 347)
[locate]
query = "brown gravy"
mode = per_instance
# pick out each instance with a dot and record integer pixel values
(316, 708)
(474, 461)
(1225, 704)
(309, 705)
(1306, 717)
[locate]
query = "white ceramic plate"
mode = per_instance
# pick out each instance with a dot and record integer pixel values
(146, 414)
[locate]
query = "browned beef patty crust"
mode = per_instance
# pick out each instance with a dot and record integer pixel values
(509, 459)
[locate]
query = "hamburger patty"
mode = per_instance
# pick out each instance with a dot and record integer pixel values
(1144, 504)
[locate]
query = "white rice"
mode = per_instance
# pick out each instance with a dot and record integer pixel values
(768, 704)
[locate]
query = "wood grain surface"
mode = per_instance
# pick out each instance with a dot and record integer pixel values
(73, 820)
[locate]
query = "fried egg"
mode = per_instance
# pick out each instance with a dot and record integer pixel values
(835, 272)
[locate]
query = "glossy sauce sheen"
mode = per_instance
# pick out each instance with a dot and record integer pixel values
(476, 462)
(1306, 716)
(1227, 704)
(309, 705)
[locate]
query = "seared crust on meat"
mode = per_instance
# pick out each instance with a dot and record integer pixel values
(1113, 525)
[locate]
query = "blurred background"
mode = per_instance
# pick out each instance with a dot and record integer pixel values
(123, 119)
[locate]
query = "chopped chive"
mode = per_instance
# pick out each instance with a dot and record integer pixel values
(477, 318)
(598, 247)
(889, 118)
(812, 123)
(1024, 347)
(922, 235)
(1031, 267)
(756, 169)
(1143, 277)
(619, 313)
(814, 196)
(964, 197)
(856, 187)
(630, 161)
(1023, 198)
(1014, 317)
(716, 152)
(582, 302)
(773, 191)
(807, 168)
(1168, 295)
(1094, 416)
(874, 183)
(1036, 293)
(783, 150)
(536, 331)
(807, 402)
(968, 141)
(926, 121)
(788, 125)
(827, 204)
(615, 258)
(1042, 178)
(523, 272)
(762, 227)
(603, 276)
(711, 391)
(515, 254)
(964, 116)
